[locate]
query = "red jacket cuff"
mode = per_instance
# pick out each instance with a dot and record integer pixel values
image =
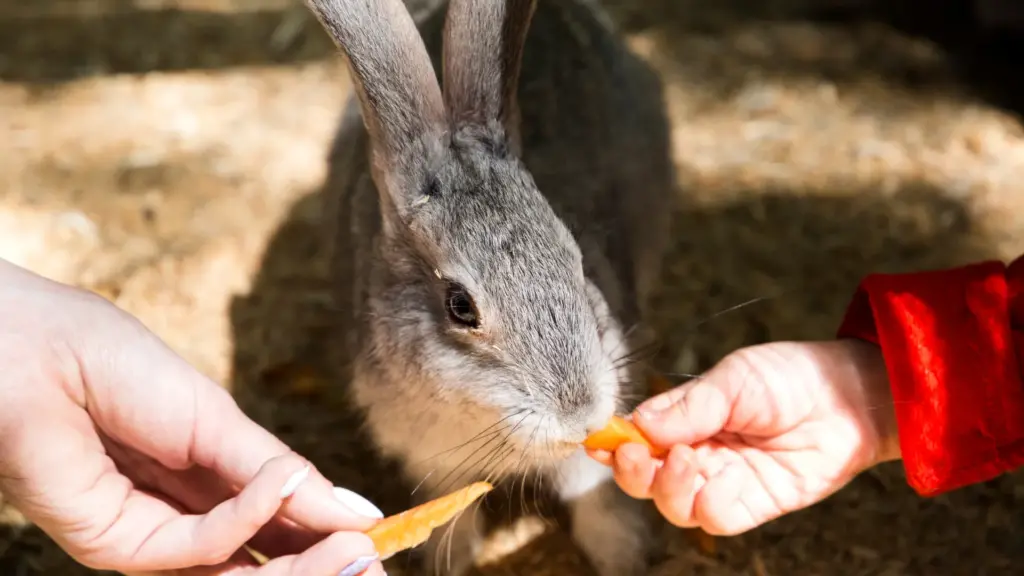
(951, 340)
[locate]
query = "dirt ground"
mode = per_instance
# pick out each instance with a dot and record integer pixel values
(169, 153)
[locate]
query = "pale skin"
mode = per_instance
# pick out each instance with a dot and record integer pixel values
(769, 430)
(133, 461)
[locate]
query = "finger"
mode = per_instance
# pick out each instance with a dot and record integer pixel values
(150, 535)
(601, 456)
(188, 419)
(318, 505)
(634, 470)
(692, 412)
(240, 563)
(675, 487)
(720, 507)
(199, 490)
(340, 554)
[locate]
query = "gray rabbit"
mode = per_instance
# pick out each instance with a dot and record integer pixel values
(496, 244)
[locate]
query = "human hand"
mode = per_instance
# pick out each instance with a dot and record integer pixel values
(769, 430)
(132, 461)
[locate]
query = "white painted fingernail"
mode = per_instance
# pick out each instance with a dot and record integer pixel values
(357, 503)
(359, 566)
(294, 482)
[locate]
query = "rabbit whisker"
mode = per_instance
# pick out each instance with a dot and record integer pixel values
(635, 352)
(684, 375)
(733, 308)
(520, 466)
(491, 440)
(491, 450)
(641, 353)
(477, 437)
(476, 464)
(495, 475)
(538, 491)
(625, 337)
(490, 436)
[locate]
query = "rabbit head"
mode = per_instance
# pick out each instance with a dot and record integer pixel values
(481, 301)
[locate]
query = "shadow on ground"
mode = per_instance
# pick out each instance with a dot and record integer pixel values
(47, 48)
(802, 250)
(56, 48)
(986, 57)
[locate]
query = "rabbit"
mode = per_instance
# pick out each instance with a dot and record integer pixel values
(496, 243)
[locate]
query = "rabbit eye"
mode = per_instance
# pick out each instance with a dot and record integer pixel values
(460, 306)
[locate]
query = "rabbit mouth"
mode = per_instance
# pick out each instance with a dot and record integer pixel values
(556, 450)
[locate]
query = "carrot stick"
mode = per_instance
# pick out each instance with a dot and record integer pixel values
(413, 527)
(617, 432)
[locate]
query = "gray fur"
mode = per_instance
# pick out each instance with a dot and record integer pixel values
(553, 214)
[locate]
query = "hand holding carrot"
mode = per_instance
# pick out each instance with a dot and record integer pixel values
(133, 461)
(771, 429)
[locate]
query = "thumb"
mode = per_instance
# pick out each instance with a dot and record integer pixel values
(695, 411)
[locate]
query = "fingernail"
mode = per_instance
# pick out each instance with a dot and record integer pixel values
(357, 503)
(359, 566)
(294, 481)
(654, 406)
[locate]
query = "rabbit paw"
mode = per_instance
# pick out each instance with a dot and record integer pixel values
(610, 528)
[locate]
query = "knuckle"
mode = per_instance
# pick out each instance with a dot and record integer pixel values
(742, 364)
(253, 513)
(745, 370)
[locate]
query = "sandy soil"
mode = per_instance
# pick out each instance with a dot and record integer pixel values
(169, 154)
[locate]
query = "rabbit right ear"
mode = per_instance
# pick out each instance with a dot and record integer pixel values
(483, 52)
(398, 92)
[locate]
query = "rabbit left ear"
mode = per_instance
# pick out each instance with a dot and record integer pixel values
(483, 52)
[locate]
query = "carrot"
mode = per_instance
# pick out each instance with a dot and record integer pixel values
(617, 432)
(411, 528)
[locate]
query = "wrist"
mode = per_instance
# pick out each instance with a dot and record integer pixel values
(880, 415)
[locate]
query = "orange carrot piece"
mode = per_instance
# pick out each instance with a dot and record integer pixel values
(617, 432)
(413, 527)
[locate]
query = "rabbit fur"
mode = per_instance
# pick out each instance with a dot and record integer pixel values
(496, 243)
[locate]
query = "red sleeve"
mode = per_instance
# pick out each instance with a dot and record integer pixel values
(953, 341)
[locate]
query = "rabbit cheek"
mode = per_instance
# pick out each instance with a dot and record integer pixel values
(612, 366)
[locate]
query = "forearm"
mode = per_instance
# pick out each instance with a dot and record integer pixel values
(952, 341)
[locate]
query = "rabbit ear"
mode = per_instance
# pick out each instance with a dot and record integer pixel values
(394, 79)
(483, 52)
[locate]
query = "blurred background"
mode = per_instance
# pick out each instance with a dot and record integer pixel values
(168, 154)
